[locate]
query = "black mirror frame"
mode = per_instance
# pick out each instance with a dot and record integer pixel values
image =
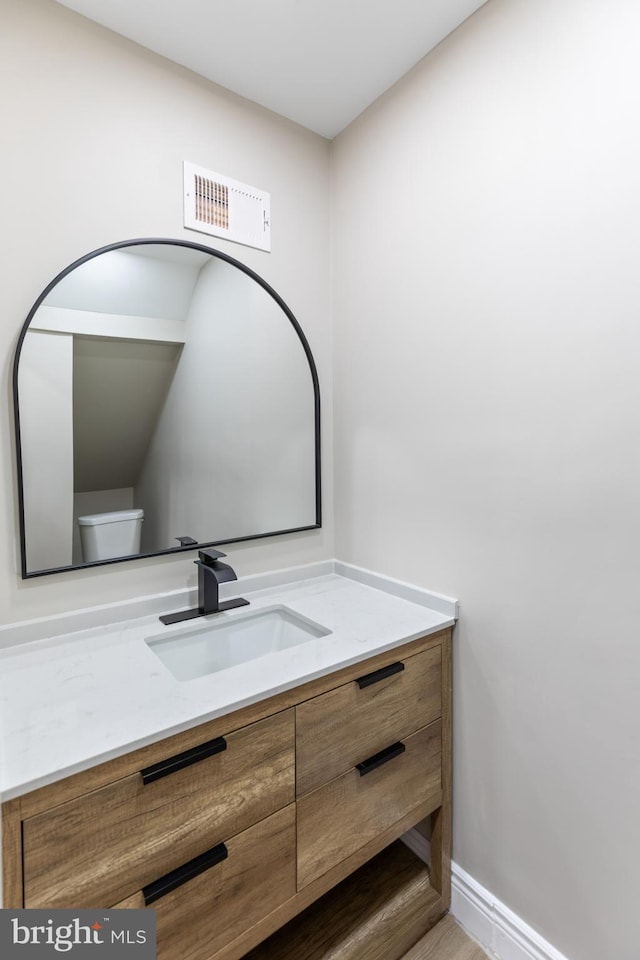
(195, 546)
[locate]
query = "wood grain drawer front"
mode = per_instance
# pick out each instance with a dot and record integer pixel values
(198, 918)
(340, 817)
(337, 730)
(102, 847)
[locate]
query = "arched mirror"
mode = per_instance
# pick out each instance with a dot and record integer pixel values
(165, 398)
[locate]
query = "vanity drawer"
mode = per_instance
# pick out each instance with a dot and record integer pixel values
(256, 875)
(340, 817)
(344, 726)
(103, 846)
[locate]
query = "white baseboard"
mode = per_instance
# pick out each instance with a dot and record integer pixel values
(489, 921)
(496, 927)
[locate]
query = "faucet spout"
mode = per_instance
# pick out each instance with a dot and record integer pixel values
(211, 573)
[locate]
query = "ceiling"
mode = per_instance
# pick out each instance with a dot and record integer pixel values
(317, 62)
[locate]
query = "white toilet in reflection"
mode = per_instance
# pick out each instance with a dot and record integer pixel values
(107, 535)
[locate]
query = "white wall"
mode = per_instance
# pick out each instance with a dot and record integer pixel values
(95, 130)
(233, 450)
(46, 429)
(487, 398)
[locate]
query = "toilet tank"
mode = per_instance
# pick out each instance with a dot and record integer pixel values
(107, 535)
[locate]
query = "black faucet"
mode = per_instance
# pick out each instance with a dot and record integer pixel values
(211, 573)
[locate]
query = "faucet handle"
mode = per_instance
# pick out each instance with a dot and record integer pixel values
(209, 556)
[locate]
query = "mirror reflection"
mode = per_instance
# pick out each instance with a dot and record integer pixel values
(165, 397)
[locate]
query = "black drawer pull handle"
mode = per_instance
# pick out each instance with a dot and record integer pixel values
(170, 881)
(379, 758)
(181, 760)
(382, 674)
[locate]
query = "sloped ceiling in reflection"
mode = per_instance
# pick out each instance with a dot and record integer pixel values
(112, 428)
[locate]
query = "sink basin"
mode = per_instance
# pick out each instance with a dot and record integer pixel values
(218, 645)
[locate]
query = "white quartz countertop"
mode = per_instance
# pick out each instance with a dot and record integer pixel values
(77, 699)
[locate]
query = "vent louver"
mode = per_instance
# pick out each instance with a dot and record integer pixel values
(222, 207)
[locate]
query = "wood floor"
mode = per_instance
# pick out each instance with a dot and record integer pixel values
(446, 941)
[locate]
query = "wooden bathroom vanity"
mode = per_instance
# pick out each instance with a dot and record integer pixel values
(233, 802)
(233, 827)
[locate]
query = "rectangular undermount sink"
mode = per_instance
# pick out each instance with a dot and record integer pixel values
(219, 644)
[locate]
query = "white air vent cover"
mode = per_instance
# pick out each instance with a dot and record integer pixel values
(223, 207)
